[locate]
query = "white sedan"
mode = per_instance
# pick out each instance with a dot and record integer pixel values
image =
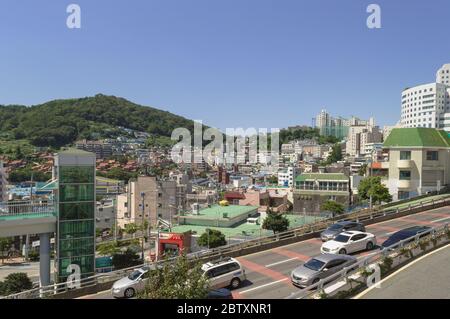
(349, 242)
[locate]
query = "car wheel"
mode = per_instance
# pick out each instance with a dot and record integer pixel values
(129, 293)
(235, 283)
(369, 245)
(342, 252)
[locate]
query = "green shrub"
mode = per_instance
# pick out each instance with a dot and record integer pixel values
(14, 283)
(33, 255)
(423, 244)
(386, 265)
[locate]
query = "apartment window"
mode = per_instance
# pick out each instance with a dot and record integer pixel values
(432, 155)
(403, 195)
(405, 175)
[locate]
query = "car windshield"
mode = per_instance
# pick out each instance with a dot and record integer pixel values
(314, 264)
(342, 238)
(335, 227)
(134, 275)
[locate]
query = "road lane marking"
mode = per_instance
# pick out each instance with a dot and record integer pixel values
(384, 227)
(281, 262)
(415, 221)
(439, 220)
(289, 253)
(261, 269)
(262, 286)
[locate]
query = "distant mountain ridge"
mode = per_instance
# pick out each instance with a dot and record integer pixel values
(61, 122)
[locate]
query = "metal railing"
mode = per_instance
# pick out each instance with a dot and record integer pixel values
(374, 257)
(15, 208)
(361, 216)
(309, 229)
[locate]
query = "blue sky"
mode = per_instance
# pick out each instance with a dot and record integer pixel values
(230, 63)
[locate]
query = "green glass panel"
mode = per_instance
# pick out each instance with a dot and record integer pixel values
(86, 264)
(76, 174)
(76, 193)
(76, 247)
(71, 211)
(76, 229)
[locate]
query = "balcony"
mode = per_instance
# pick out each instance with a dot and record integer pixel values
(404, 183)
(405, 163)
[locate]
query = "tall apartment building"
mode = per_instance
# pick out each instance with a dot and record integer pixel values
(428, 105)
(148, 198)
(101, 149)
(443, 74)
(359, 136)
(419, 161)
(3, 183)
(339, 126)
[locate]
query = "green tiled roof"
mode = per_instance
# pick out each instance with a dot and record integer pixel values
(322, 176)
(417, 137)
(217, 211)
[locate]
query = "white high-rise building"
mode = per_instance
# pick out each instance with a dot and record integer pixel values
(428, 105)
(3, 182)
(443, 74)
(338, 126)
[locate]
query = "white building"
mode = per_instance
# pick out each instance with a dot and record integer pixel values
(424, 105)
(443, 74)
(338, 126)
(286, 177)
(428, 105)
(3, 183)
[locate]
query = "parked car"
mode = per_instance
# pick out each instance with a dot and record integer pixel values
(221, 293)
(409, 232)
(320, 267)
(226, 272)
(340, 227)
(128, 286)
(349, 242)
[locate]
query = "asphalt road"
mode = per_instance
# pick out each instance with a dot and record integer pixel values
(268, 272)
(428, 278)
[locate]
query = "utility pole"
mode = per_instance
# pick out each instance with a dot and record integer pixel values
(143, 213)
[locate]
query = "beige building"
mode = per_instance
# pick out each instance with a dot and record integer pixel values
(359, 136)
(147, 198)
(419, 161)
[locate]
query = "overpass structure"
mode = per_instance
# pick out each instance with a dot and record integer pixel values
(31, 217)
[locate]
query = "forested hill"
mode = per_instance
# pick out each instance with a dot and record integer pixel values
(61, 122)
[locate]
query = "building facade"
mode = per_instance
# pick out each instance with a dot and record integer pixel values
(419, 161)
(148, 198)
(287, 176)
(428, 105)
(443, 75)
(312, 190)
(359, 136)
(337, 126)
(100, 149)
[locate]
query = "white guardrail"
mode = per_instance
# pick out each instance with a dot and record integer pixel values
(404, 247)
(362, 215)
